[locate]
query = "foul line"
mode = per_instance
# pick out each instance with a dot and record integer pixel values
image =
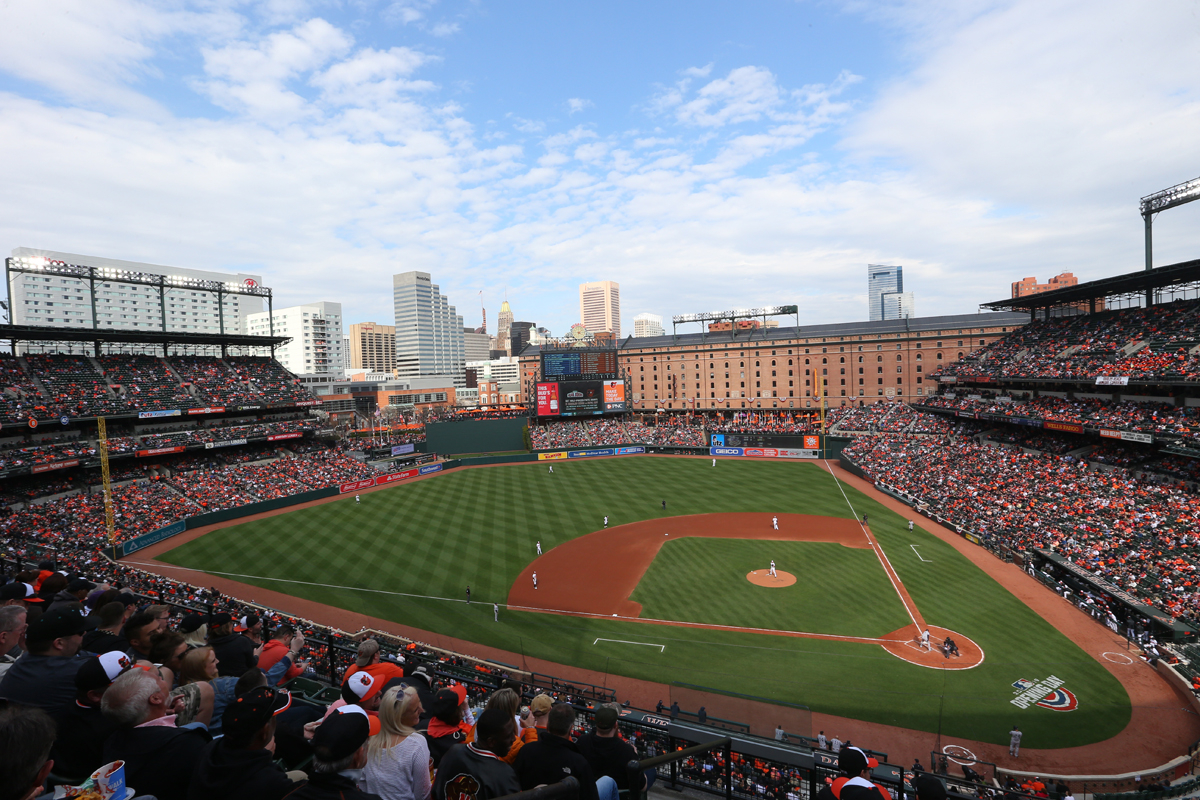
(661, 647)
(914, 549)
(883, 559)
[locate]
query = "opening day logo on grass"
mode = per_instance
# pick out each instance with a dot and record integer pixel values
(1046, 693)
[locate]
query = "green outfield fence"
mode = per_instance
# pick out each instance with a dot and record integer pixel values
(476, 435)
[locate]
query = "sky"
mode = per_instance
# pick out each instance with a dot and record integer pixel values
(705, 155)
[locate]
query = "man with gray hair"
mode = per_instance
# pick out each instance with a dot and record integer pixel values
(12, 628)
(159, 757)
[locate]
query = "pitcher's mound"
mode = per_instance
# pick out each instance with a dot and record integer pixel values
(762, 577)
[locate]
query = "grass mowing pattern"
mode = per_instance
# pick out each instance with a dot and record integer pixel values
(479, 527)
(704, 580)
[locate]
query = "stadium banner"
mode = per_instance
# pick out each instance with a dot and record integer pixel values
(548, 400)
(947, 379)
(967, 414)
(605, 451)
(1069, 427)
(303, 403)
(1128, 436)
(275, 437)
(207, 410)
(1112, 380)
(614, 396)
(401, 449)
(228, 443)
(158, 451)
(779, 452)
(970, 537)
(552, 456)
(392, 477)
(428, 468)
(174, 412)
(724, 451)
(629, 451)
(249, 408)
(153, 537)
(36, 468)
(365, 483)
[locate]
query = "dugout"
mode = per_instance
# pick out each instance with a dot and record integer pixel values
(476, 436)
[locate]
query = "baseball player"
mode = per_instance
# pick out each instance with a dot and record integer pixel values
(539, 546)
(775, 523)
(606, 520)
(664, 505)
(714, 462)
(551, 469)
(495, 612)
(772, 572)
(910, 526)
(1014, 742)
(864, 519)
(468, 595)
(535, 580)
(925, 639)
(357, 499)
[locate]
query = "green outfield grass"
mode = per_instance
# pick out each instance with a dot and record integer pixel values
(434, 537)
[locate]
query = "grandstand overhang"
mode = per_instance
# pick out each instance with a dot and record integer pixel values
(98, 336)
(1118, 291)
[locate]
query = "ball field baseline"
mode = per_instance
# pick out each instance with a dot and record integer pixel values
(619, 557)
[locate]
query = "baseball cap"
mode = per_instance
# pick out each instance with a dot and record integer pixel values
(16, 591)
(80, 584)
(445, 704)
(342, 733)
(541, 705)
(246, 623)
(98, 672)
(254, 709)
(929, 788)
(57, 623)
(367, 649)
(421, 672)
(221, 619)
(190, 623)
(360, 686)
(606, 717)
(852, 761)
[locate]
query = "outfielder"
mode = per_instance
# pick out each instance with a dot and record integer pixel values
(539, 547)
(551, 469)
(495, 612)
(772, 572)
(714, 462)
(1014, 742)
(910, 526)
(357, 499)
(606, 520)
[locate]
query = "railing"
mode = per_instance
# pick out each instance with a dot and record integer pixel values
(637, 769)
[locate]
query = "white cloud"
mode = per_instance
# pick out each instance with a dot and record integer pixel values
(445, 29)
(577, 104)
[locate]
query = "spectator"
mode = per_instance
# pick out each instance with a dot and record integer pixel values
(12, 628)
(856, 784)
(138, 630)
(79, 749)
(26, 737)
(283, 642)
(250, 626)
(194, 630)
(398, 758)
(421, 680)
(200, 666)
(361, 690)
(107, 636)
(540, 708)
(235, 653)
(76, 591)
(607, 753)
(159, 756)
(368, 660)
(446, 726)
(509, 701)
(240, 765)
(339, 752)
(45, 676)
(554, 756)
(474, 771)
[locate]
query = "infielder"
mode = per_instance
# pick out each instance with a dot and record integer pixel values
(606, 520)
(539, 546)
(775, 523)
(535, 580)
(772, 572)
(910, 526)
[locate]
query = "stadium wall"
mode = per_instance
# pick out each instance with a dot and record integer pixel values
(476, 436)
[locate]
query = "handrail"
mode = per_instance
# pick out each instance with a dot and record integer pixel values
(567, 787)
(636, 768)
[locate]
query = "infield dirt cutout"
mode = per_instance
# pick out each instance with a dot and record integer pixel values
(618, 558)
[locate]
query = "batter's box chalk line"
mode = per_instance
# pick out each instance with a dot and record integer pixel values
(661, 647)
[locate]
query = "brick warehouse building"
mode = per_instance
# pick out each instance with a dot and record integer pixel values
(780, 367)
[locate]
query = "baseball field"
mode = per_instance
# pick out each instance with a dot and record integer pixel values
(690, 590)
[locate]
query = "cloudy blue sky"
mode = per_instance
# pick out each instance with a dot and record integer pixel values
(703, 154)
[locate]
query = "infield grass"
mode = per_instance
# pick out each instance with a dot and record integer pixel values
(407, 553)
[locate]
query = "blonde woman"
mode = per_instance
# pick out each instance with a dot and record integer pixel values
(398, 758)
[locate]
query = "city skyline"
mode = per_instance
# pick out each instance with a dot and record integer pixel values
(700, 158)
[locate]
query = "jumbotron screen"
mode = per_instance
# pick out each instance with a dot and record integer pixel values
(799, 442)
(565, 365)
(580, 398)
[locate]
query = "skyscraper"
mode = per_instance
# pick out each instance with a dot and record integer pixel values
(503, 326)
(429, 331)
(886, 298)
(600, 307)
(373, 347)
(647, 325)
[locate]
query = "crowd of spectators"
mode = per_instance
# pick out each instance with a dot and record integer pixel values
(19, 397)
(215, 383)
(610, 431)
(1143, 417)
(1138, 343)
(1134, 532)
(268, 379)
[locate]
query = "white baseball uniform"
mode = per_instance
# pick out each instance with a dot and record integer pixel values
(539, 546)
(551, 469)
(606, 521)
(775, 522)
(714, 462)
(357, 499)
(925, 639)
(535, 580)
(773, 575)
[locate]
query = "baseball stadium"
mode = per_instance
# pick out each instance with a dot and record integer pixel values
(987, 573)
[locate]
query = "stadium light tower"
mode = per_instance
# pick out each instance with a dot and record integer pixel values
(1151, 204)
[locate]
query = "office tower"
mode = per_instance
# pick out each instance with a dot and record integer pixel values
(503, 326)
(647, 325)
(518, 336)
(600, 307)
(316, 331)
(884, 281)
(372, 347)
(429, 331)
(476, 344)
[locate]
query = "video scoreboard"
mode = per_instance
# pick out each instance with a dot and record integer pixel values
(580, 398)
(784, 440)
(578, 364)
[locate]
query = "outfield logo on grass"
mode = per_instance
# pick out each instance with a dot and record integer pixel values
(1046, 693)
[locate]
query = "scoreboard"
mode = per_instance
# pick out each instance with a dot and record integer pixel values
(580, 398)
(778, 440)
(578, 364)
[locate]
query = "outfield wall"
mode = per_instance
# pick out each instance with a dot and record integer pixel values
(476, 435)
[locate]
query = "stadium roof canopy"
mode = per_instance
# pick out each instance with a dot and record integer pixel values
(1110, 292)
(49, 333)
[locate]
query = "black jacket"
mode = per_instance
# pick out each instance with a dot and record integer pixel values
(324, 786)
(232, 774)
(235, 655)
(79, 747)
(158, 760)
(440, 745)
(101, 642)
(608, 755)
(552, 758)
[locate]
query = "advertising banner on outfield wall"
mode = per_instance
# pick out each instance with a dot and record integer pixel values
(629, 451)
(392, 477)
(552, 456)
(428, 468)
(725, 451)
(606, 451)
(275, 437)
(365, 483)
(147, 539)
(159, 451)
